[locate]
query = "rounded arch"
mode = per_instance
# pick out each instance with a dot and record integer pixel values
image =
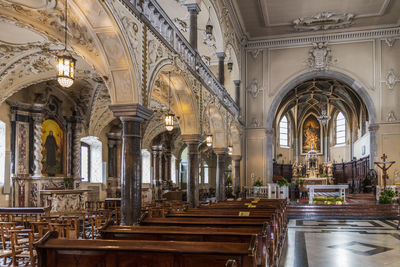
(93, 35)
(217, 127)
(357, 86)
(183, 100)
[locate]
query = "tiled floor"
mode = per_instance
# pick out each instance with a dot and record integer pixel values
(342, 243)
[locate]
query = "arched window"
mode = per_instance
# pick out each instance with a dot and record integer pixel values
(2, 151)
(91, 160)
(173, 169)
(145, 166)
(340, 129)
(284, 132)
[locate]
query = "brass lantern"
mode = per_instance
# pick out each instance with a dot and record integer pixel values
(66, 70)
(209, 140)
(209, 26)
(169, 121)
(66, 63)
(230, 66)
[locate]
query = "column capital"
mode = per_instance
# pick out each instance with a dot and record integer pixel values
(236, 157)
(192, 138)
(373, 127)
(38, 117)
(134, 112)
(193, 8)
(237, 82)
(220, 150)
(221, 55)
(270, 131)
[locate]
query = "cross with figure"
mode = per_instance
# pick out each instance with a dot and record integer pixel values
(384, 168)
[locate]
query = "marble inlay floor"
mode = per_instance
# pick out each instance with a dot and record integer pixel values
(342, 243)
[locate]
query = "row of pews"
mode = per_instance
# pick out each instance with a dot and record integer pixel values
(233, 233)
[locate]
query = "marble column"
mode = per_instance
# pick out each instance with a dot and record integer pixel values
(236, 172)
(194, 10)
(160, 166)
(221, 69)
(156, 183)
(37, 144)
(237, 91)
(131, 116)
(221, 158)
(193, 141)
(168, 157)
(270, 142)
(76, 170)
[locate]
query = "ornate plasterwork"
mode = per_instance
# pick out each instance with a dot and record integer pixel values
(319, 57)
(254, 89)
(391, 117)
(391, 79)
(180, 24)
(324, 21)
(390, 41)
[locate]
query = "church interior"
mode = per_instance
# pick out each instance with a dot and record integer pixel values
(200, 133)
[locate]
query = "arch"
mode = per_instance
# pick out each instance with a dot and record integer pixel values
(183, 100)
(217, 127)
(94, 35)
(360, 89)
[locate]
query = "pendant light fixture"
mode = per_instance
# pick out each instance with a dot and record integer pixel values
(169, 118)
(209, 26)
(66, 63)
(230, 62)
(209, 140)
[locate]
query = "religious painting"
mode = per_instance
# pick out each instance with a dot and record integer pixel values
(311, 135)
(52, 148)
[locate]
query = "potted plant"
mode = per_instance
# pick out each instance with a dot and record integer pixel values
(258, 183)
(339, 201)
(283, 182)
(387, 196)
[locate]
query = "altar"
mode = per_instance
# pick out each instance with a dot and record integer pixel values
(65, 201)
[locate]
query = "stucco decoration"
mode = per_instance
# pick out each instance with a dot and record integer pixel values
(319, 57)
(390, 41)
(254, 53)
(255, 123)
(391, 79)
(254, 89)
(391, 117)
(324, 21)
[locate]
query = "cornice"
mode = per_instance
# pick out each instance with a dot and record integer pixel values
(331, 38)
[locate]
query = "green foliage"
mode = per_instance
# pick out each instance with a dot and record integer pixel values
(339, 199)
(302, 176)
(258, 183)
(300, 182)
(387, 196)
(283, 182)
(228, 181)
(323, 175)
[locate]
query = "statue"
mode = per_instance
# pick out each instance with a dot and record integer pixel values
(294, 169)
(329, 167)
(384, 168)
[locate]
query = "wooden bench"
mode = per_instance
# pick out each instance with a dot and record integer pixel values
(54, 252)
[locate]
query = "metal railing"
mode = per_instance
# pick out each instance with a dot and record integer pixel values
(150, 12)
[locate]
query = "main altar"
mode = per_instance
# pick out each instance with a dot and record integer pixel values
(312, 174)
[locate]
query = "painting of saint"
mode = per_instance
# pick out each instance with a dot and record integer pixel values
(52, 148)
(311, 135)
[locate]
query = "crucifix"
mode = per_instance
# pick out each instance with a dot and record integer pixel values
(384, 168)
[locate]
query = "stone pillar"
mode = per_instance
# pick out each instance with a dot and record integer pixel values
(168, 157)
(37, 144)
(237, 90)
(193, 142)
(194, 10)
(221, 158)
(156, 183)
(131, 116)
(221, 69)
(160, 166)
(76, 170)
(236, 171)
(270, 141)
(373, 128)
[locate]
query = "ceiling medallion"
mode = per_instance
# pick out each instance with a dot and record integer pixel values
(319, 57)
(324, 21)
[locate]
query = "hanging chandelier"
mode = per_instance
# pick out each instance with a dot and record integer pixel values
(230, 62)
(324, 118)
(209, 26)
(169, 118)
(209, 140)
(66, 63)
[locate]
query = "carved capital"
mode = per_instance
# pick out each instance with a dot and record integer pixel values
(220, 150)
(131, 112)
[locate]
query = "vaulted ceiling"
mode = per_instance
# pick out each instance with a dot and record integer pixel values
(266, 18)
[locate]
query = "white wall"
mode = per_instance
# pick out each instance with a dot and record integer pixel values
(364, 141)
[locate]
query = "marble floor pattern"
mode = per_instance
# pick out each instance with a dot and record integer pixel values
(342, 243)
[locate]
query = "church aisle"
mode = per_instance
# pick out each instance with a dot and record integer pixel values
(342, 243)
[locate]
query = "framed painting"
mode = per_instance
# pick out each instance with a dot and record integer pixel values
(52, 148)
(311, 135)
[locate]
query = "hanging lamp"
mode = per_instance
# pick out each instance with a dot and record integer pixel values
(66, 63)
(230, 62)
(209, 26)
(169, 118)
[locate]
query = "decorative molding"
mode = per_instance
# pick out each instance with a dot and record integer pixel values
(391, 117)
(391, 79)
(324, 21)
(254, 89)
(255, 123)
(331, 38)
(390, 41)
(254, 53)
(319, 56)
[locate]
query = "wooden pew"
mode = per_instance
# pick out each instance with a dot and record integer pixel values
(123, 253)
(202, 234)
